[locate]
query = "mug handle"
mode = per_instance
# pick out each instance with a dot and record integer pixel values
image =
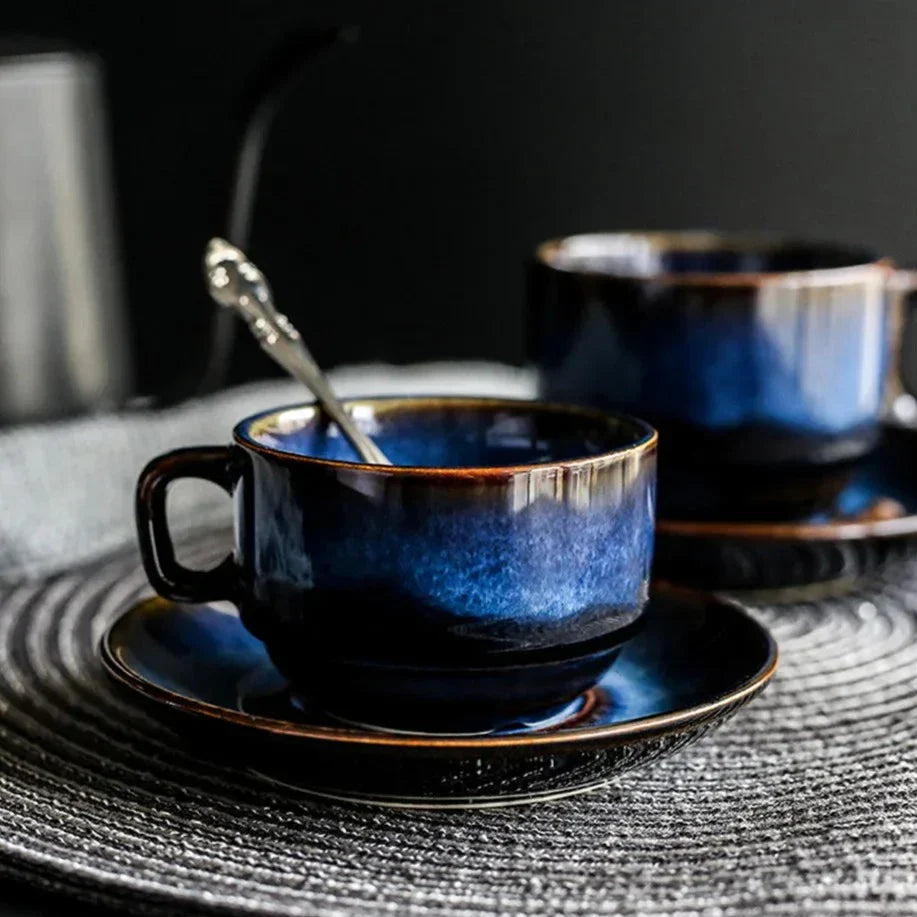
(167, 576)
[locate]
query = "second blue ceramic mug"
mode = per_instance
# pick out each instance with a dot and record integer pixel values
(762, 361)
(489, 577)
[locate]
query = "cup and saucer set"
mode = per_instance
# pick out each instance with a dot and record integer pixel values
(475, 624)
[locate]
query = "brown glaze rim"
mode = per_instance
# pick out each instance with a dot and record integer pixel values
(618, 733)
(244, 437)
(700, 240)
(840, 530)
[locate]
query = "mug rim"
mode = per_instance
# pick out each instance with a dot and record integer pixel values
(244, 436)
(862, 260)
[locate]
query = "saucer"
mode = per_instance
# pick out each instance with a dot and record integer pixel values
(697, 659)
(873, 520)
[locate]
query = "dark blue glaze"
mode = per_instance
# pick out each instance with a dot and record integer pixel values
(686, 654)
(731, 366)
(732, 362)
(811, 371)
(695, 660)
(493, 587)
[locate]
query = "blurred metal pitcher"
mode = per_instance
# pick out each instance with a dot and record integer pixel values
(63, 335)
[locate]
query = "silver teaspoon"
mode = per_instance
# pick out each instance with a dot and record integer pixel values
(235, 283)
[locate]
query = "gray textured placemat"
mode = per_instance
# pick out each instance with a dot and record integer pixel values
(803, 803)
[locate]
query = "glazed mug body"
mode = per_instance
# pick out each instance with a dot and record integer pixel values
(762, 361)
(490, 576)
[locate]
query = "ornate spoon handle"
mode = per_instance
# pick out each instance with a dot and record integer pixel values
(235, 282)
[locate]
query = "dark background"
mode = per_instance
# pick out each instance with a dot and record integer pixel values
(413, 169)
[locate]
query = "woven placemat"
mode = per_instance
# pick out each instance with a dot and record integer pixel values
(805, 802)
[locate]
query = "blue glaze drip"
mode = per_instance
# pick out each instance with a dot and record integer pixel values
(358, 580)
(544, 563)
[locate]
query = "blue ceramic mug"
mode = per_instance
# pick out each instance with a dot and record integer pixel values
(761, 361)
(488, 577)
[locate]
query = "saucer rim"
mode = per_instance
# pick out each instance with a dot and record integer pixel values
(791, 531)
(614, 733)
